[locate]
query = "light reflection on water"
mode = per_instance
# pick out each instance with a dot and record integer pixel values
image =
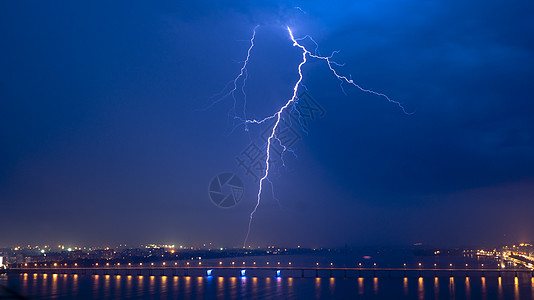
(361, 290)
(44, 285)
(140, 284)
(420, 288)
(500, 288)
(128, 292)
(220, 287)
(243, 285)
(516, 288)
(436, 287)
(107, 283)
(62, 286)
(467, 288)
(451, 287)
(187, 287)
(483, 288)
(255, 286)
(317, 287)
(74, 283)
(233, 287)
(118, 290)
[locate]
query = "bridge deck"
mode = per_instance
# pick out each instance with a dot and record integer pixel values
(269, 271)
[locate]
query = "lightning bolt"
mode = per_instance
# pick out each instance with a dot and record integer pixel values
(289, 103)
(243, 73)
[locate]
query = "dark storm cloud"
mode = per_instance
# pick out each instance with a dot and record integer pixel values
(99, 110)
(464, 68)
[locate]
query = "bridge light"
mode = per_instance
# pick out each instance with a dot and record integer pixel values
(277, 273)
(243, 273)
(208, 272)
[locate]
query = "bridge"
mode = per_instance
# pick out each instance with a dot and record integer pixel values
(256, 271)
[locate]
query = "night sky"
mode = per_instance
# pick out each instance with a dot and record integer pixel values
(107, 134)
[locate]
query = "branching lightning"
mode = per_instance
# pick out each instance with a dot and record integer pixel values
(289, 103)
(243, 73)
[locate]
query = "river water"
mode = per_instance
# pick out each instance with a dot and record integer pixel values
(266, 286)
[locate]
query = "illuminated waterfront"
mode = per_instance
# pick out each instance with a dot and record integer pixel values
(474, 277)
(62, 286)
